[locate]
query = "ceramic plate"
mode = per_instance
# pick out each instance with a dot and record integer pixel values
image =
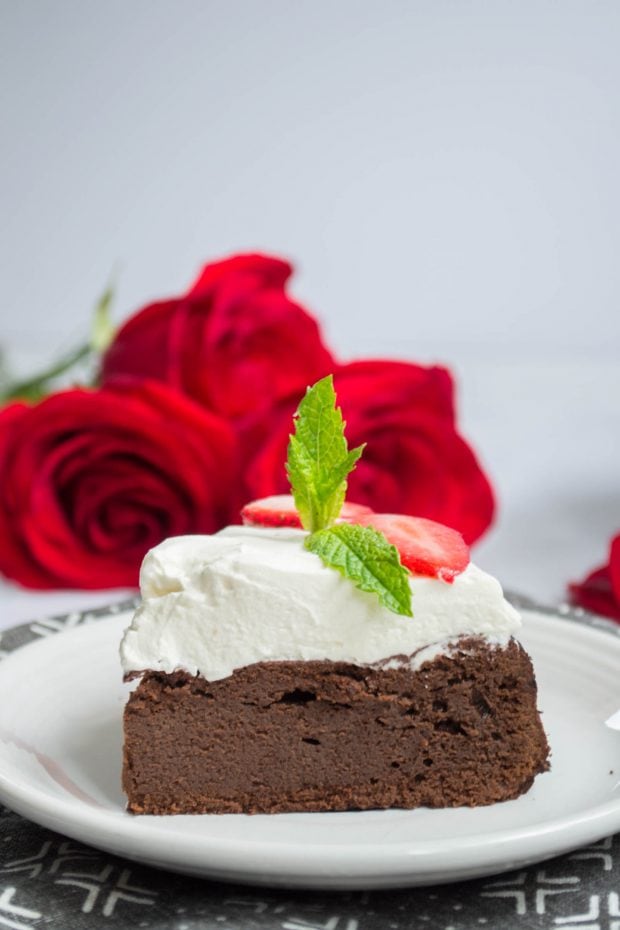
(61, 701)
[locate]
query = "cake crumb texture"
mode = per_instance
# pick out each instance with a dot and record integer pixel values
(462, 729)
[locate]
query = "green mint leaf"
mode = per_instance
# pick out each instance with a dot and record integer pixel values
(319, 459)
(364, 556)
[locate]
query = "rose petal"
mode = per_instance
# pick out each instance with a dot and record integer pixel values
(600, 590)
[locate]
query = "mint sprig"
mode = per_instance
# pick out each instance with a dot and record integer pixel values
(319, 461)
(364, 556)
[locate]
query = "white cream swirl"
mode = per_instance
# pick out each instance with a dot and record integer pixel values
(212, 604)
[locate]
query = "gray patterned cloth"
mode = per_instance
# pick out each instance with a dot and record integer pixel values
(47, 881)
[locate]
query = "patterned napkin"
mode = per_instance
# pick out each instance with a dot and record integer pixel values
(47, 881)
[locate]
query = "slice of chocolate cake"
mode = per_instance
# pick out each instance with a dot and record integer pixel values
(269, 683)
(359, 662)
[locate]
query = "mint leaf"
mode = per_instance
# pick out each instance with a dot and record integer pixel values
(365, 557)
(319, 459)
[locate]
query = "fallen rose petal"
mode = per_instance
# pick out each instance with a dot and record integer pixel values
(600, 590)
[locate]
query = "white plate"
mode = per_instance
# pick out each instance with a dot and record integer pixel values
(61, 702)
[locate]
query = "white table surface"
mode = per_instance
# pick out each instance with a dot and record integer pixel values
(548, 431)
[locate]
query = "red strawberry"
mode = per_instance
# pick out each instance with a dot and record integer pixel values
(425, 547)
(279, 510)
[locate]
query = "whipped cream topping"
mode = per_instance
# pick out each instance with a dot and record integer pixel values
(212, 604)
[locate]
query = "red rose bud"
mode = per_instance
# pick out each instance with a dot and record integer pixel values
(236, 342)
(92, 479)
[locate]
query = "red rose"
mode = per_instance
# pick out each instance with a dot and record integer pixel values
(92, 479)
(415, 461)
(235, 342)
(600, 590)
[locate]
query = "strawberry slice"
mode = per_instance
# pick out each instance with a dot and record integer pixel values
(279, 510)
(425, 547)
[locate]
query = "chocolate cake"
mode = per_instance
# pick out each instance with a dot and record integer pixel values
(268, 683)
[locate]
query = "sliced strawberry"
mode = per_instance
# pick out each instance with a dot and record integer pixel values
(425, 547)
(279, 510)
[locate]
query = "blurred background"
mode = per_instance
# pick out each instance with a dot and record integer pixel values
(444, 175)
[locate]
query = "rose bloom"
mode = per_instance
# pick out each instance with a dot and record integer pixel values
(415, 461)
(92, 479)
(600, 590)
(235, 342)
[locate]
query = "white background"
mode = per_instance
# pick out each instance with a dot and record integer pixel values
(444, 174)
